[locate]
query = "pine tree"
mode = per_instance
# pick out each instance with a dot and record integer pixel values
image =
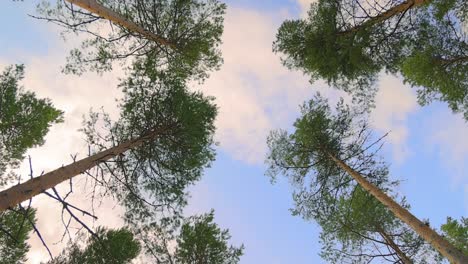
(361, 230)
(24, 120)
(457, 233)
(202, 241)
(117, 246)
(102, 11)
(15, 227)
(178, 35)
(169, 131)
(348, 43)
(326, 157)
(196, 239)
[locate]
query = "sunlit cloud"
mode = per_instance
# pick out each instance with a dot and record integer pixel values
(254, 91)
(394, 103)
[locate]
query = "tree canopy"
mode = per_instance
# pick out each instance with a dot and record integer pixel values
(202, 241)
(195, 239)
(148, 180)
(15, 227)
(348, 43)
(356, 227)
(24, 119)
(24, 122)
(154, 175)
(107, 246)
(194, 27)
(457, 233)
(362, 230)
(163, 137)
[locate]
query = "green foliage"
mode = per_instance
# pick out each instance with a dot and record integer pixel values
(324, 47)
(438, 79)
(24, 119)
(303, 156)
(14, 232)
(438, 66)
(202, 241)
(357, 215)
(456, 8)
(314, 45)
(155, 99)
(353, 222)
(150, 180)
(194, 26)
(457, 233)
(355, 233)
(24, 122)
(348, 44)
(110, 246)
(438, 62)
(195, 239)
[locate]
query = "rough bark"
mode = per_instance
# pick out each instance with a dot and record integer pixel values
(100, 10)
(17, 194)
(437, 241)
(398, 9)
(403, 257)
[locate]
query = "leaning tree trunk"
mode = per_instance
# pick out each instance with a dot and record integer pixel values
(398, 9)
(17, 194)
(100, 10)
(438, 242)
(448, 61)
(403, 257)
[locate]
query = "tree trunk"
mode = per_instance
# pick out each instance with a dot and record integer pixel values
(446, 62)
(17, 194)
(100, 10)
(405, 259)
(438, 242)
(398, 9)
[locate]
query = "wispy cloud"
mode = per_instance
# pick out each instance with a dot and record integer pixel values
(394, 103)
(254, 91)
(305, 5)
(446, 135)
(75, 95)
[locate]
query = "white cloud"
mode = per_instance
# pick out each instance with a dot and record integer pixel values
(49, 218)
(254, 91)
(450, 136)
(305, 5)
(447, 135)
(394, 103)
(75, 95)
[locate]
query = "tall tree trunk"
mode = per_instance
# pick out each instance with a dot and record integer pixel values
(446, 62)
(438, 242)
(403, 257)
(398, 9)
(17, 194)
(100, 10)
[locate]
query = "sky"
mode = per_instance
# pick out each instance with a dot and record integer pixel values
(427, 147)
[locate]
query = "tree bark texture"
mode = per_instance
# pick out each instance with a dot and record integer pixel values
(437, 241)
(100, 10)
(17, 194)
(398, 9)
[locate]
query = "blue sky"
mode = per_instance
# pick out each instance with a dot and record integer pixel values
(427, 149)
